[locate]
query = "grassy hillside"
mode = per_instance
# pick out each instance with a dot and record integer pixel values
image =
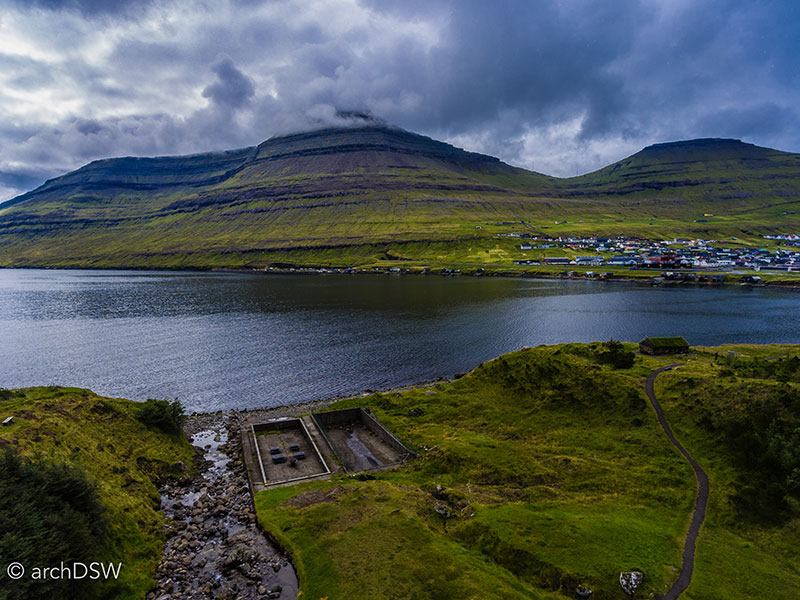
(120, 457)
(348, 191)
(551, 471)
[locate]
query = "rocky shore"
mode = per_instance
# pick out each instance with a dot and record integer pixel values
(644, 277)
(215, 549)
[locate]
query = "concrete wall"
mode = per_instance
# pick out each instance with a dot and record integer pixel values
(296, 425)
(371, 422)
(334, 418)
(279, 425)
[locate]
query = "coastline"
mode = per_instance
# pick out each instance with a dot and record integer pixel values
(198, 421)
(473, 271)
(644, 278)
(222, 541)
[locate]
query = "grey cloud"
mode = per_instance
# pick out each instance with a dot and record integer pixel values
(14, 133)
(746, 122)
(146, 53)
(28, 73)
(498, 74)
(565, 85)
(89, 8)
(232, 88)
(21, 180)
(89, 126)
(632, 72)
(78, 141)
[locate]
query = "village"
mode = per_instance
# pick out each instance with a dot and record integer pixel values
(679, 260)
(678, 253)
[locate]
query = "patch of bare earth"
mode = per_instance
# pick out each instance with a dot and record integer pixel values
(312, 497)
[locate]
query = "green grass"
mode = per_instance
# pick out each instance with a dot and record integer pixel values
(120, 455)
(740, 554)
(556, 473)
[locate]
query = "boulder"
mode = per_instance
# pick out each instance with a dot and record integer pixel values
(630, 581)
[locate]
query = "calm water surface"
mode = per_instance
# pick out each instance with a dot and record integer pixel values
(218, 340)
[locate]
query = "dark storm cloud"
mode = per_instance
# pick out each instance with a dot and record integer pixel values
(539, 59)
(89, 126)
(565, 86)
(746, 122)
(20, 179)
(88, 8)
(613, 64)
(232, 89)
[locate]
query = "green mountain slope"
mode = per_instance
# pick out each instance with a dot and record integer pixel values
(356, 191)
(714, 173)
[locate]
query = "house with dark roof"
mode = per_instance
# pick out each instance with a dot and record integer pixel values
(663, 345)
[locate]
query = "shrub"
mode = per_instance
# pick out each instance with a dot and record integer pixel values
(162, 414)
(762, 433)
(763, 503)
(49, 513)
(614, 353)
(781, 369)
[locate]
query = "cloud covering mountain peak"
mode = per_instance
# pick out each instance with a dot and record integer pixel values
(560, 86)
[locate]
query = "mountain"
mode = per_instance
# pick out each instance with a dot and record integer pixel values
(702, 162)
(356, 191)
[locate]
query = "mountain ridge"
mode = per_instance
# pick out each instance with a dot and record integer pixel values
(689, 145)
(376, 184)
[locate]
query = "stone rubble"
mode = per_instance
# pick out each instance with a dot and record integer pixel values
(215, 549)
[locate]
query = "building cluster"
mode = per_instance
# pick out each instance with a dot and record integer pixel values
(789, 239)
(636, 252)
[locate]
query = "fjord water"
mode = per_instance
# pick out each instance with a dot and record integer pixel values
(228, 340)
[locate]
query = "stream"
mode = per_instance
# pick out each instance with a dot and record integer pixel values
(215, 548)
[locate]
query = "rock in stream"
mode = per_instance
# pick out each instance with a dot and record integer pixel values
(215, 549)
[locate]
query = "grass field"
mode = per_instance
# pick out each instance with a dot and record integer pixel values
(539, 471)
(551, 471)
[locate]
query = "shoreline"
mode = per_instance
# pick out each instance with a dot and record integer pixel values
(644, 278)
(198, 421)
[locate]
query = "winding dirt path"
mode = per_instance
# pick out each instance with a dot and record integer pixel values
(685, 578)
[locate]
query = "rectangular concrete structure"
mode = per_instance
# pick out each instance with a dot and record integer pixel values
(267, 467)
(359, 440)
(332, 442)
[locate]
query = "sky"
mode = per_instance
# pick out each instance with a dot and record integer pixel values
(562, 87)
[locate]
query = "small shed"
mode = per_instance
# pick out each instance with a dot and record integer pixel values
(663, 345)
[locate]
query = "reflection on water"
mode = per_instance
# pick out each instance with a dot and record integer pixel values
(219, 340)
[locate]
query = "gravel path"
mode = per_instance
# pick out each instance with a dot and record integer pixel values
(685, 578)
